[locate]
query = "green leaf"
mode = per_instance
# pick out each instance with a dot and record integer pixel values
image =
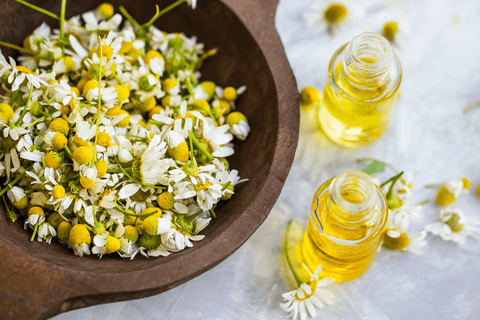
(374, 167)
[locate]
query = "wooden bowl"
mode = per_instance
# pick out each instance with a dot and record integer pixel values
(38, 281)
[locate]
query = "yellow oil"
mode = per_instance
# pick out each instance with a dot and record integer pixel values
(344, 248)
(360, 116)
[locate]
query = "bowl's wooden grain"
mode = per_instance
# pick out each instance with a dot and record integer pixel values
(38, 281)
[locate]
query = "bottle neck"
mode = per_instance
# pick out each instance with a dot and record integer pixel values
(352, 198)
(367, 60)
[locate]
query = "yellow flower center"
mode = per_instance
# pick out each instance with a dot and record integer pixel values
(59, 141)
(202, 104)
(63, 230)
(53, 160)
(21, 204)
(23, 69)
(123, 93)
(209, 88)
(150, 225)
(106, 52)
(83, 155)
(454, 223)
(58, 192)
(235, 117)
(36, 210)
(6, 112)
(390, 30)
(69, 64)
(335, 13)
(125, 121)
(230, 94)
(112, 244)
(152, 54)
(466, 183)
(104, 139)
(203, 186)
(86, 182)
(126, 47)
(148, 104)
(54, 219)
(91, 84)
(227, 195)
(313, 286)
(396, 243)
(131, 233)
(165, 200)
(106, 10)
(309, 96)
(444, 197)
(79, 235)
(179, 153)
(102, 168)
(168, 84)
(59, 125)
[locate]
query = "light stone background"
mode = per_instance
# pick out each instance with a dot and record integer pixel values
(429, 135)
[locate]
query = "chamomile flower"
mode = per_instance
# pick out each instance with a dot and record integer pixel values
(93, 24)
(454, 226)
(46, 232)
(413, 242)
(19, 73)
(238, 125)
(331, 15)
(307, 297)
(452, 190)
(107, 244)
(80, 239)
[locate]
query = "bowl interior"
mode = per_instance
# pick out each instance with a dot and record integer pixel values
(239, 62)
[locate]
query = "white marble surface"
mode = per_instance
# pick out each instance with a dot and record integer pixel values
(429, 135)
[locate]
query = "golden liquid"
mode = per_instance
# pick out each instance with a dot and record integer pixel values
(355, 122)
(340, 260)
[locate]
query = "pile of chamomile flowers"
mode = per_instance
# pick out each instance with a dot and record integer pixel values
(109, 142)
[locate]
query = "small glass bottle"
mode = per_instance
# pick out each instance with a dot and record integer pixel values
(362, 87)
(345, 227)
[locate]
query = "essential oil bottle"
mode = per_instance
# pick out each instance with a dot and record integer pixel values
(345, 227)
(362, 87)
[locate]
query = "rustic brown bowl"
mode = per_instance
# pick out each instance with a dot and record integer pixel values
(38, 281)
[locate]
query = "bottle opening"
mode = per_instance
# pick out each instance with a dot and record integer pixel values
(355, 193)
(368, 57)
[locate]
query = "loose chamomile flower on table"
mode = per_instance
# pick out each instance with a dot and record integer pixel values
(309, 96)
(413, 242)
(332, 15)
(451, 191)
(454, 226)
(308, 297)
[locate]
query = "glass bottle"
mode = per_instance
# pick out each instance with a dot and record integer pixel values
(362, 87)
(346, 224)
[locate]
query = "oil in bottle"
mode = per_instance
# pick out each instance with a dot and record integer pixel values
(362, 87)
(345, 226)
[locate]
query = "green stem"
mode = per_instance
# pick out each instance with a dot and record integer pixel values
(423, 202)
(193, 216)
(199, 145)
(62, 20)
(226, 185)
(389, 180)
(213, 213)
(9, 45)
(26, 106)
(118, 80)
(34, 7)
(68, 151)
(11, 184)
(472, 106)
(201, 110)
(287, 256)
(189, 86)
(161, 13)
(46, 114)
(44, 164)
(393, 180)
(158, 123)
(34, 231)
(99, 102)
(129, 17)
(434, 185)
(155, 17)
(133, 214)
(133, 179)
(35, 122)
(204, 56)
(144, 139)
